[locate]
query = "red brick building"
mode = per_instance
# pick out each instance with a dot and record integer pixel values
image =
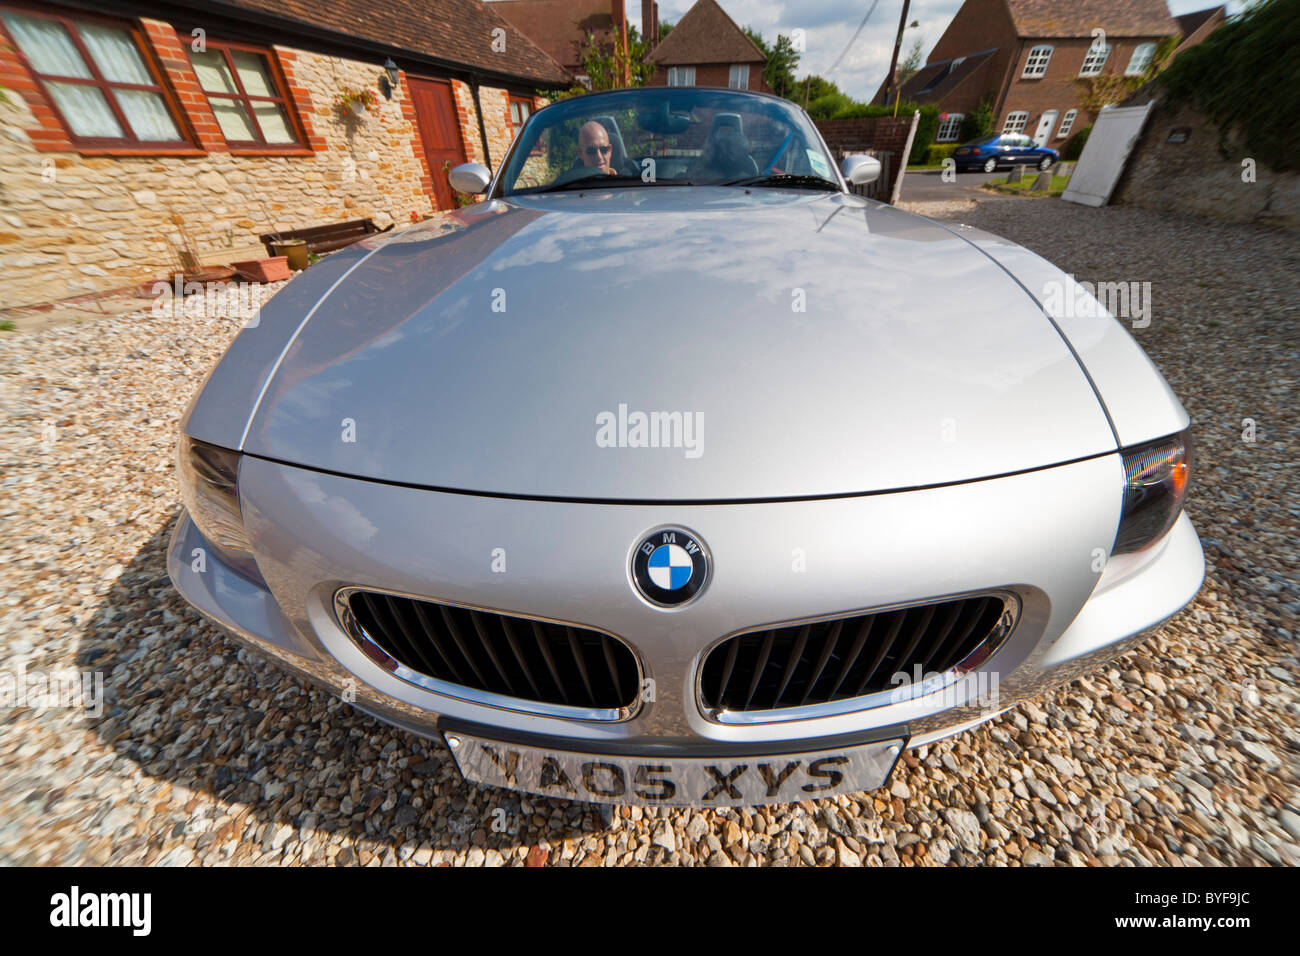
(561, 27)
(707, 48)
(1026, 58)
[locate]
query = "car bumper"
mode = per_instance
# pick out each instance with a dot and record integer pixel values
(1035, 534)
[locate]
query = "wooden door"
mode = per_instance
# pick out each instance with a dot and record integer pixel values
(435, 118)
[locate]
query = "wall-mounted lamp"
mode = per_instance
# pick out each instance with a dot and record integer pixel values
(388, 82)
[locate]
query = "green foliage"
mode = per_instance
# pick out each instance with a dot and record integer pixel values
(782, 59)
(665, 28)
(926, 127)
(978, 123)
(835, 105)
(907, 69)
(1074, 148)
(936, 154)
(606, 61)
(1246, 78)
(812, 87)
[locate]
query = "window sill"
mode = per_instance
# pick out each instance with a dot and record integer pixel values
(293, 150)
(143, 151)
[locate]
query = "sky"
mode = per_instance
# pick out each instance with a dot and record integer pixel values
(828, 25)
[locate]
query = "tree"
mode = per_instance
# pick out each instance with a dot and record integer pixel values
(607, 61)
(907, 69)
(978, 123)
(782, 59)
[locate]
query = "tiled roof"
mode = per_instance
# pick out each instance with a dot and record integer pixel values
(1078, 18)
(935, 80)
(458, 31)
(559, 27)
(706, 34)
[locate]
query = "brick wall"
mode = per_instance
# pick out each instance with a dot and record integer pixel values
(714, 74)
(879, 135)
(1058, 89)
(74, 222)
(1196, 178)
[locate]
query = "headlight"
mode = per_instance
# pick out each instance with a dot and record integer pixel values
(209, 479)
(1155, 483)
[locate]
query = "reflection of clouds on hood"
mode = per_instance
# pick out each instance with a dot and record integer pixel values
(345, 519)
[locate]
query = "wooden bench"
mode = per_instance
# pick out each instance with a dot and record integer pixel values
(321, 239)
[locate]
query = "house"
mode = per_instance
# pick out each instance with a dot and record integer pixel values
(1026, 58)
(561, 27)
(193, 126)
(707, 48)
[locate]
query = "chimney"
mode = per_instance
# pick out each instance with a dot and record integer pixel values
(650, 22)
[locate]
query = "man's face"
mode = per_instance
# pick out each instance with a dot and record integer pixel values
(593, 146)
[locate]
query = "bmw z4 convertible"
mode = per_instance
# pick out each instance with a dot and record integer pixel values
(674, 472)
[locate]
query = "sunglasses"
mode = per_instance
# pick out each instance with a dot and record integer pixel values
(598, 150)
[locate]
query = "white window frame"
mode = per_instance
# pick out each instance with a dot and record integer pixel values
(953, 128)
(738, 76)
(1146, 52)
(1016, 122)
(1095, 60)
(1036, 62)
(681, 76)
(1067, 123)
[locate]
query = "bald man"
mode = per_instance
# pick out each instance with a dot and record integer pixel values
(594, 149)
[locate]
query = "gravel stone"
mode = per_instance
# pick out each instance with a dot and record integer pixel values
(204, 754)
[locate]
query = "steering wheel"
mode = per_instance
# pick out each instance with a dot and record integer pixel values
(578, 172)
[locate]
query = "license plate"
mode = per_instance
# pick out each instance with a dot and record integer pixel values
(675, 781)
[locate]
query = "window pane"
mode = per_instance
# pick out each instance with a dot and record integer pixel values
(47, 46)
(274, 122)
(214, 76)
(233, 120)
(148, 116)
(254, 73)
(115, 54)
(86, 110)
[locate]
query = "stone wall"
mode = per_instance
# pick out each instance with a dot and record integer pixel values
(1196, 177)
(74, 224)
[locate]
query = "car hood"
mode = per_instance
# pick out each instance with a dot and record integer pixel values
(677, 344)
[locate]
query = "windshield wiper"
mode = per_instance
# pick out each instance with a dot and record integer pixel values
(785, 179)
(599, 182)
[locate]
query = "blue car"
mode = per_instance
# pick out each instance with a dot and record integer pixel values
(1003, 149)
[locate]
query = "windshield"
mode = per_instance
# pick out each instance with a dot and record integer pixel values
(666, 136)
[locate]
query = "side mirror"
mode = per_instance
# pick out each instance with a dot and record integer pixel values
(470, 178)
(860, 169)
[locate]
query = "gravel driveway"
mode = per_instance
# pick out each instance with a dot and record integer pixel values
(1183, 752)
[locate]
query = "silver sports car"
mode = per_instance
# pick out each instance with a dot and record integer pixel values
(673, 472)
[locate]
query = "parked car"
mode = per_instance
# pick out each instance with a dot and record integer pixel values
(1001, 150)
(675, 473)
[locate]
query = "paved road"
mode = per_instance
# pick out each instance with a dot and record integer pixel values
(929, 186)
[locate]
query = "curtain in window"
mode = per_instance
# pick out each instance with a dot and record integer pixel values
(115, 54)
(86, 110)
(148, 116)
(47, 46)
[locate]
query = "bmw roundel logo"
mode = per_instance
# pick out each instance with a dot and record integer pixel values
(670, 566)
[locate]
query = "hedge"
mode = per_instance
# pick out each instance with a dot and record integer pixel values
(937, 154)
